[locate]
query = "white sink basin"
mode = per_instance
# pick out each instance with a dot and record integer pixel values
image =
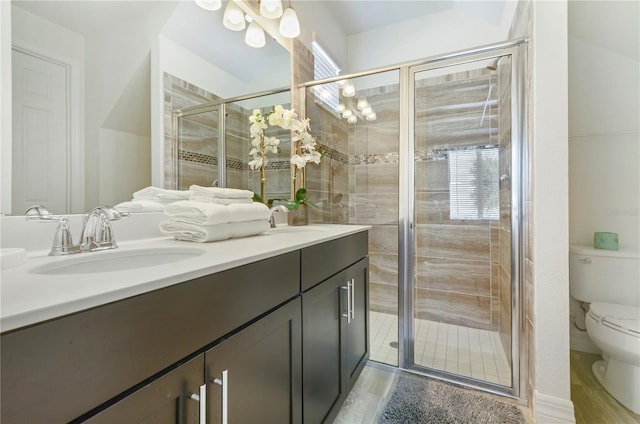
(116, 260)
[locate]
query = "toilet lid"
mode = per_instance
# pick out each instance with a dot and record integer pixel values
(623, 316)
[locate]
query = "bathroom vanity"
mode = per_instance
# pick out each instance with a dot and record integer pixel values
(267, 329)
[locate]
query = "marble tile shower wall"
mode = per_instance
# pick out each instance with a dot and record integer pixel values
(456, 263)
(198, 149)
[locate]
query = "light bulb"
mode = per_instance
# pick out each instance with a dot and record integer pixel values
(367, 110)
(362, 103)
(341, 108)
(352, 119)
(347, 113)
(372, 116)
(271, 9)
(289, 24)
(209, 4)
(255, 35)
(348, 90)
(233, 18)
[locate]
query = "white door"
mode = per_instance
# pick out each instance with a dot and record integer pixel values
(40, 156)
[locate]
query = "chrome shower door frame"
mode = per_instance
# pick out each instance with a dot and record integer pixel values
(517, 50)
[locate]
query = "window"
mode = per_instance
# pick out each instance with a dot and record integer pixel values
(473, 183)
(325, 67)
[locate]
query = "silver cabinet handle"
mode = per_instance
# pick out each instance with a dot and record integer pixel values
(353, 299)
(348, 289)
(225, 398)
(585, 260)
(202, 400)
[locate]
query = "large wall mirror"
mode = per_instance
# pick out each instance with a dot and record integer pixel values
(89, 92)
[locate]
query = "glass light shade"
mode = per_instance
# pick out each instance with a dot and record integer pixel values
(341, 83)
(347, 113)
(367, 110)
(362, 103)
(233, 17)
(209, 4)
(348, 90)
(341, 107)
(271, 9)
(352, 119)
(255, 35)
(372, 116)
(289, 24)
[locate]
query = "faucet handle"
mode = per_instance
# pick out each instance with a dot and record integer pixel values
(62, 240)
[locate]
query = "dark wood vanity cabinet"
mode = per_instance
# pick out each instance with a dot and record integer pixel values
(335, 324)
(153, 358)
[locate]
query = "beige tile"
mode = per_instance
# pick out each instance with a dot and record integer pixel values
(453, 308)
(454, 241)
(459, 276)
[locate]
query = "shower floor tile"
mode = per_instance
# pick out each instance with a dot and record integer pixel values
(461, 350)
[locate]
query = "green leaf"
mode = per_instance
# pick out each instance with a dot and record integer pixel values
(301, 195)
(257, 197)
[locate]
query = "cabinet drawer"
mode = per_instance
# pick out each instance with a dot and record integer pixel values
(323, 260)
(58, 370)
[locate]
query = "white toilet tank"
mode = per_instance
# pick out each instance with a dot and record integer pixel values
(611, 276)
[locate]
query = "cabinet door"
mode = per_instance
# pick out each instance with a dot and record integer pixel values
(356, 340)
(166, 400)
(323, 388)
(261, 367)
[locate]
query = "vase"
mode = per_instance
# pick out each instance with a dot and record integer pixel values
(298, 216)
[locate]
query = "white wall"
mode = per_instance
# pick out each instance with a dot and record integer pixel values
(446, 31)
(5, 106)
(552, 394)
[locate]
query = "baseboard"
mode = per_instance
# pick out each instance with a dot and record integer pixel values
(552, 410)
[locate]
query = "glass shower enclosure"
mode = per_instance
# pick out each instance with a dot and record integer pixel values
(429, 154)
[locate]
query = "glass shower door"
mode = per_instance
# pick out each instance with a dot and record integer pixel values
(461, 263)
(198, 149)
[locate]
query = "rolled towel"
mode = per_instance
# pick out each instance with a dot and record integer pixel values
(204, 194)
(204, 233)
(161, 195)
(207, 213)
(140, 205)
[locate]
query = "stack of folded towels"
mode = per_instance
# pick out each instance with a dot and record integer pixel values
(152, 199)
(213, 214)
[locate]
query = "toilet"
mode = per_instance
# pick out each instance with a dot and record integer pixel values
(609, 281)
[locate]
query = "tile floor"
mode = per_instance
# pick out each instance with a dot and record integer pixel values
(461, 350)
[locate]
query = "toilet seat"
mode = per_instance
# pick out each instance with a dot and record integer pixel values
(623, 318)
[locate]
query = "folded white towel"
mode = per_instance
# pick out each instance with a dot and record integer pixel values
(206, 213)
(219, 201)
(140, 205)
(219, 192)
(161, 195)
(204, 233)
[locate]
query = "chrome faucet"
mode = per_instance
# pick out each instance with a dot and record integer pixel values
(96, 229)
(62, 241)
(272, 211)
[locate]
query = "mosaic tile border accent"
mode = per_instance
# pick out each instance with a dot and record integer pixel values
(232, 164)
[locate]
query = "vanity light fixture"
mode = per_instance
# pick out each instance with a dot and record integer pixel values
(362, 103)
(233, 18)
(209, 4)
(352, 119)
(348, 90)
(341, 83)
(372, 116)
(367, 111)
(255, 35)
(347, 114)
(289, 23)
(341, 108)
(271, 9)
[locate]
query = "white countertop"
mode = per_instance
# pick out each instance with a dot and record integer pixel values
(28, 298)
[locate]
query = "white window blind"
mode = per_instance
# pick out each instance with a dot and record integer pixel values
(473, 183)
(325, 67)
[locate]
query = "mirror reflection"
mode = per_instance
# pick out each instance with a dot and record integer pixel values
(89, 92)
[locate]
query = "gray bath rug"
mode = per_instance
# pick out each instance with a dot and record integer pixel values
(418, 400)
